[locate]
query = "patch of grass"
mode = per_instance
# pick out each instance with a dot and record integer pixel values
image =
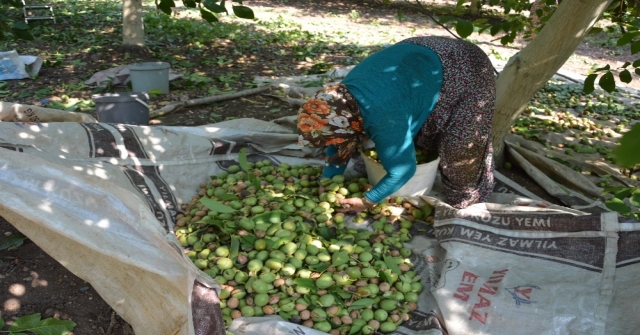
(212, 55)
(88, 34)
(33, 323)
(12, 242)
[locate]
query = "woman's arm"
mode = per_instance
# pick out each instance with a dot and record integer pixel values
(398, 157)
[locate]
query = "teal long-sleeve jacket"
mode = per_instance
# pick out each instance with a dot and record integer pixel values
(396, 90)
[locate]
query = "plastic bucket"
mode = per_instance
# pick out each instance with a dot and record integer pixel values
(420, 184)
(127, 107)
(149, 76)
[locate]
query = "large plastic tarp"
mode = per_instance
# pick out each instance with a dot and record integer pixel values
(100, 198)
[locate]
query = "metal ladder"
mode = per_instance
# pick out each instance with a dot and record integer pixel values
(31, 8)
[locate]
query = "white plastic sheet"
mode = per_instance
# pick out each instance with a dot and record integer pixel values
(100, 199)
(14, 66)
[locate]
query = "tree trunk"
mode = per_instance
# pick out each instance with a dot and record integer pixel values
(473, 7)
(528, 70)
(132, 26)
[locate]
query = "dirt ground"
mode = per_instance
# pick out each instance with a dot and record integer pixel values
(32, 282)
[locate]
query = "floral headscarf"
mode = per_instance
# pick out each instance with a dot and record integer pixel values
(331, 117)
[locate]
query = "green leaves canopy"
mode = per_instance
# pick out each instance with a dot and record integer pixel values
(209, 8)
(12, 28)
(627, 154)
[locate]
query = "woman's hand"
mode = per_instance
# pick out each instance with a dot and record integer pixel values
(351, 205)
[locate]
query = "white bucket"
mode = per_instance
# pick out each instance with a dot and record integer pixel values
(420, 184)
(149, 76)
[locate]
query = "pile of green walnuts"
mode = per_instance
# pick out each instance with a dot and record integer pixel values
(277, 246)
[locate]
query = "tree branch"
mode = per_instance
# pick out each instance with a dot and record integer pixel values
(194, 102)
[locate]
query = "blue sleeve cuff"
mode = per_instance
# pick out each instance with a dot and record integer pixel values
(329, 170)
